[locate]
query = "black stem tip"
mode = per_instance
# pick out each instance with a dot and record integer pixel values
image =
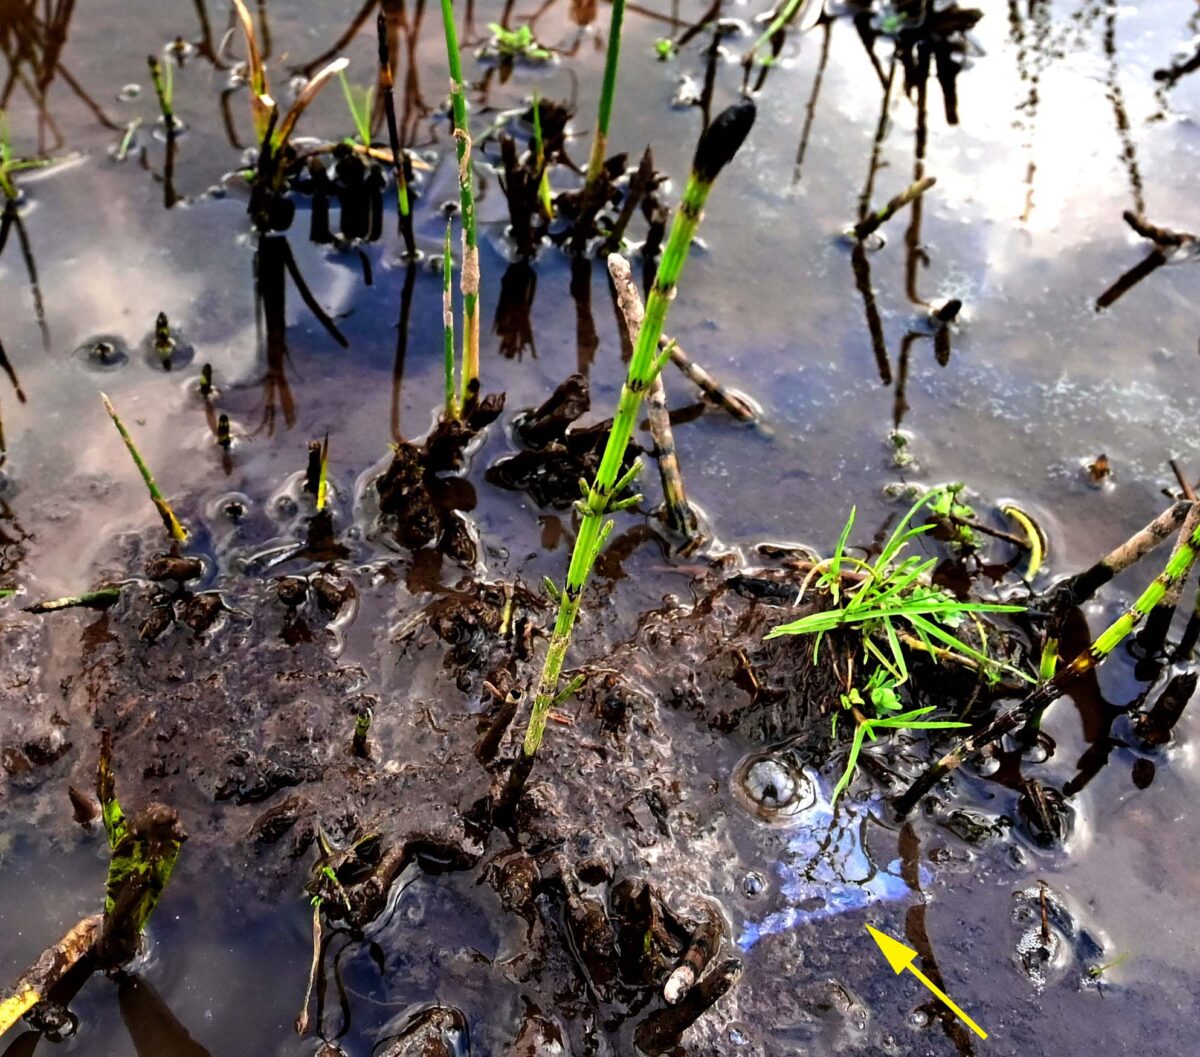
(381, 37)
(722, 139)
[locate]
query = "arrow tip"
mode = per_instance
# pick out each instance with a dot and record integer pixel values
(898, 956)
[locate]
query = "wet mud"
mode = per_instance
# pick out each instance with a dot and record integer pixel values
(331, 700)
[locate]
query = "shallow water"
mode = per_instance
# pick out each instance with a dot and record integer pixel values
(1060, 130)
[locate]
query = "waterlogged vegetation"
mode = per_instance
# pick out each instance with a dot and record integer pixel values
(496, 627)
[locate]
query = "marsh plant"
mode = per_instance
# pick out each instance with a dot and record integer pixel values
(608, 91)
(891, 608)
(1029, 710)
(469, 270)
(717, 146)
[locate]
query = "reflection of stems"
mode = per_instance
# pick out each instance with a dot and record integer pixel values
(406, 297)
(469, 276)
(608, 90)
(1154, 260)
(862, 280)
(389, 108)
(810, 110)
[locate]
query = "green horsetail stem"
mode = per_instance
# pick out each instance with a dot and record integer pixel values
(387, 81)
(469, 273)
(608, 90)
(718, 145)
(176, 530)
(101, 598)
(1046, 693)
(448, 324)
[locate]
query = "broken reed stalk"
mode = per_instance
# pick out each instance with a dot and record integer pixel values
(880, 217)
(1047, 692)
(54, 964)
(680, 516)
(1081, 587)
(144, 849)
(101, 598)
(727, 399)
(451, 410)
(387, 81)
(718, 144)
(176, 530)
(469, 271)
(164, 89)
(608, 91)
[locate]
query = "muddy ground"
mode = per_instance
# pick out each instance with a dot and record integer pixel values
(235, 698)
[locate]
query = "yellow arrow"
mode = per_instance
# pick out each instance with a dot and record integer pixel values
(901, 957)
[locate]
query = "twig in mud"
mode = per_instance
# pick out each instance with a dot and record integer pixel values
(176, 530)
(1164, 238)
(680, 516)
(702, 948)
(881, 216)
(1047, 692)
(660, 1032)
(1169, 245)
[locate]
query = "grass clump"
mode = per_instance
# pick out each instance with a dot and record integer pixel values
(890, 605)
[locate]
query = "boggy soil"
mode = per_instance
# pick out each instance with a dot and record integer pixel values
(231, 704)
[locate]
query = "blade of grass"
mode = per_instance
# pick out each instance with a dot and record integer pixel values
(176, 530)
